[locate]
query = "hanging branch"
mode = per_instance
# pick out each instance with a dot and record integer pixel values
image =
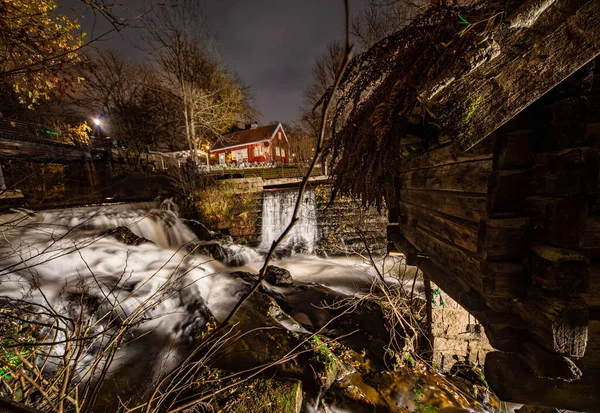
(316, 158)
(261, 276)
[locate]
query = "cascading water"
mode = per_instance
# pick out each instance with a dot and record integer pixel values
(161, 226)
(278, 208)
(61, 265)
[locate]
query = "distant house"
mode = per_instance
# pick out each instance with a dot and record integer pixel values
(252, 145)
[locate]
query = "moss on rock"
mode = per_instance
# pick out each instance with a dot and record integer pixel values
(266, 396)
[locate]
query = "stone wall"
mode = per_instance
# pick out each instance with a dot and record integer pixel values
(346, 226)
(241, 185)
(457, 336)
(235, 207)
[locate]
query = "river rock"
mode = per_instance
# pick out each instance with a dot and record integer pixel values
(261, 334)
(278, 276)
(201, 231)
(125, 235)
(212, 248)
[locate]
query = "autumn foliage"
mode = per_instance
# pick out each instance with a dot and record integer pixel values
(36, 47)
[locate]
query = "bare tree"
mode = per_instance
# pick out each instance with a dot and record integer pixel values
(210, 96)
(324, 75)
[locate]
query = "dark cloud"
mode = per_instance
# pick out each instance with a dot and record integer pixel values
(270, 44)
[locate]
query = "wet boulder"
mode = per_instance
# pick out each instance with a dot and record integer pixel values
(278, 276)
(262, 333)
(232, 255)
(125, 235)
(212, 248)
(264, 395)
(202, 231)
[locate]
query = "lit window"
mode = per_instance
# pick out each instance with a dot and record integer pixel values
(283, 152)
(258, 151)
(278, 135)
(240, 155)
(277, 151)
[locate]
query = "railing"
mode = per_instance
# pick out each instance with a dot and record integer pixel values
(27, 131)
(265, 172)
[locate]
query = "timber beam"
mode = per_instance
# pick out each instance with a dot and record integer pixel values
(512, 379)
(521, 60)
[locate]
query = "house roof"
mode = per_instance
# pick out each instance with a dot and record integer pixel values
(245, 137)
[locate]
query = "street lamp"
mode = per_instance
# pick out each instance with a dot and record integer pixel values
(97, 122)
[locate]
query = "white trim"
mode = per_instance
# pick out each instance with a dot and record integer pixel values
(239, 145)
(279, 126)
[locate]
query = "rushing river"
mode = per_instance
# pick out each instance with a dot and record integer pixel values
(164, 286)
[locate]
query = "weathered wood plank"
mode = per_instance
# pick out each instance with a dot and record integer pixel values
(503, 239)
(593, 131)
(456, 231)
(548, 365)
(591, 237)
(566, 173)
(460, 177)
(592, 295)
(455, 261)
(471, 207)
(591, 360)
(559, 324)
(514, 150)
(560, 270)
(507, 191)
(550, 47)
(503, 279)
(564, 124)
(511, 379)
(447, 155)
(398, 242)
(559, 221)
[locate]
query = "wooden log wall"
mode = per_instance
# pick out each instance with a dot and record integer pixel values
(511, 229)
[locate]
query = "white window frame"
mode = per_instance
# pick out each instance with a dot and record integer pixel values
(282, 153)
(240, 155)
(277, 151)
(222, 158)
(258, 151)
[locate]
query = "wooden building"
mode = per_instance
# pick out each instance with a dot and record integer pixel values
(252, 145)
(503, 211)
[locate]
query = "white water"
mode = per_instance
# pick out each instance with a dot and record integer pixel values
(50, 258)
(278, 208)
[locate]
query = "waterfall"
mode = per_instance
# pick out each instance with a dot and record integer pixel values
(278, 207)
(161, 226)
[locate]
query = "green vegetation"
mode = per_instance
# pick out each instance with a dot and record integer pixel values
(12, 355)
(222, 206)
(421, 406)
(475, 102)
(264, 396)
(321, 351)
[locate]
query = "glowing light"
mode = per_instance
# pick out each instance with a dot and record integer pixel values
(97, 122)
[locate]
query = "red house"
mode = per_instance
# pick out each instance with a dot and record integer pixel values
(252, 145)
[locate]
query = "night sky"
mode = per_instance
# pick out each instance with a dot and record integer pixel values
(270, 44)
